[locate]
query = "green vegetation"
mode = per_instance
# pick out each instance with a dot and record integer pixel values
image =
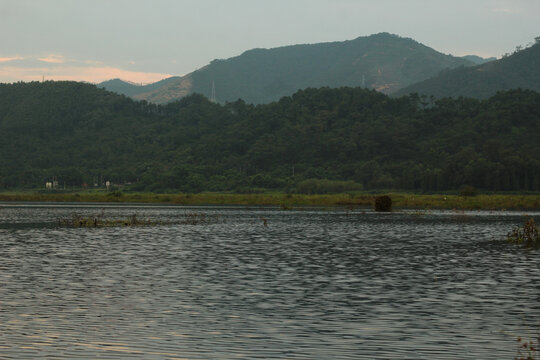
(520, 70)
(467, 190)
(317, 141)
(288, 201)
(382, 61)
(325, 186)
(529, 236)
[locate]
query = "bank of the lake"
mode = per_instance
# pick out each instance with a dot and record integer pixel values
(406, 200)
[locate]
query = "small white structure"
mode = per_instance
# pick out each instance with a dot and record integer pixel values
(108, 184)
(48, 185)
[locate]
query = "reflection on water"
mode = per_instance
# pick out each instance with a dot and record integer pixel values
(311, 284)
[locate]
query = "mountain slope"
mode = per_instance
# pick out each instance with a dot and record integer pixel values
(383, 62)
(520, 70)
(169, 90)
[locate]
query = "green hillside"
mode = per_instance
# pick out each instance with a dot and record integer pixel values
(316, 140)
(520, 70)
(383, 62)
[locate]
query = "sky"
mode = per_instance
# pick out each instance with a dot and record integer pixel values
(143, 41)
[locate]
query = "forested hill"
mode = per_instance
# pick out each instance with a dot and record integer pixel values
(519, 70)
(77, 132)
(382, 61)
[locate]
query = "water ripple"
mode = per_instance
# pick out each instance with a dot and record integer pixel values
(307, 285)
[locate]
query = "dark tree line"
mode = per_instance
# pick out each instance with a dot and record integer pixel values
(316, 140)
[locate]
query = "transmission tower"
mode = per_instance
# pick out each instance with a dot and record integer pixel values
(213, 96)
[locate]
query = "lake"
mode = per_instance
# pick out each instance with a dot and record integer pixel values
(247, 283)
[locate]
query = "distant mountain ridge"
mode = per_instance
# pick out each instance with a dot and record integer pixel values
(519, 70)
(478, 59)
(131, 89)
(384, 62)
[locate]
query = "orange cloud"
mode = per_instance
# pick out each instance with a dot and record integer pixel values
(6, 59)
(93, 62)
(54, 59)
(77, 73)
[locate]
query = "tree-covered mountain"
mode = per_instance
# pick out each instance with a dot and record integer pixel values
(519, 70)
(383, 62)
(478, 59)
(77, 133)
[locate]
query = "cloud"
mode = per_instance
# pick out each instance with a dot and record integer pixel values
(506, 10)
(6, 59)
(58, 67)
(54, 59)
(77, 73)
(93, 62)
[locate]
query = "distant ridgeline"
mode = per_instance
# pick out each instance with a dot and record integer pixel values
(519, 70)
(77, 132)
(384, 62)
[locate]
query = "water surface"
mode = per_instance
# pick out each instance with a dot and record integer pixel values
(311, 284)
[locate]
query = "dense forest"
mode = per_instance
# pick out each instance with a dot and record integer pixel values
(317, 140)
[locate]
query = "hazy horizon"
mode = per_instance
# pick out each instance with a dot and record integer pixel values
(143, 42)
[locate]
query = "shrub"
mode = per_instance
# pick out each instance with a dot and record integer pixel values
(325, 186)
(468, 190)
(115, 194)
(383, 203)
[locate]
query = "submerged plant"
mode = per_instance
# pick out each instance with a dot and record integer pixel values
(419, 213)
(99, 220)
(528, 350)
(283, 206)
(194, 218)
(528, 236)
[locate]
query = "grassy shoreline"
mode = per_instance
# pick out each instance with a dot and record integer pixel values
(405, 200)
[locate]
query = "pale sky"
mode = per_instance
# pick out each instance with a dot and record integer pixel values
(147, 40)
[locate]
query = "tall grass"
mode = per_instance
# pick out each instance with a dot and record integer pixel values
(352, 199)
